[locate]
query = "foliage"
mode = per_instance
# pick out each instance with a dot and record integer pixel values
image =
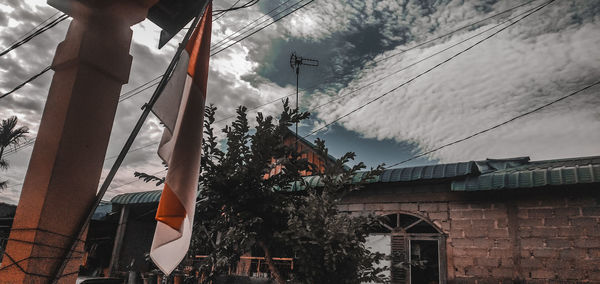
(148, 178)
(329, 245)
(240, 208)
(244, 206)
(9, 136)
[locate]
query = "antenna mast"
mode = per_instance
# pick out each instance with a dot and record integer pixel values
(295, 62)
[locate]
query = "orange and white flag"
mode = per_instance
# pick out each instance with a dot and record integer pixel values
(181, 108)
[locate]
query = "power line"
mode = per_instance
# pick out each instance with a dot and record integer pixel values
(453, 31)
(136, 180)
(393, 55)
(123, 98)
(233, 8)
(377, 61)
(140, 86)
(134, 91)
(262, 28)
(421, 60)
(33, 29)
(222, 14)
(129, 94)
(217, 44)
(497, 125)
(428, 70)
(19, 147)
(41, 30)
(26, 82)
(48, 68)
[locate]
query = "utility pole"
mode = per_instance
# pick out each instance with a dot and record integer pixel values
(295, 62)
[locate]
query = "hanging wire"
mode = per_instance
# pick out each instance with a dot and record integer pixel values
(38, 32)
(497, 125)
(26, 82)
(533, 10)
(248, 4)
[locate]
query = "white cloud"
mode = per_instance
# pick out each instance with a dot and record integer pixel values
(531, 64)
(549, 55)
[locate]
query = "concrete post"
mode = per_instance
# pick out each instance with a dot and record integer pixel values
(90, 65)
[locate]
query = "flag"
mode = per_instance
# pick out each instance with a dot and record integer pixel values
(181, 108)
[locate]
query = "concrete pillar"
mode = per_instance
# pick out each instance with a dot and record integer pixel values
(118, 242)
(90, 66)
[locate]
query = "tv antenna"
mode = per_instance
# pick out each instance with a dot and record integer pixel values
(295, 62)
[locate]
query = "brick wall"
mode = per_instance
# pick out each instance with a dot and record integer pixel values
(541, 238)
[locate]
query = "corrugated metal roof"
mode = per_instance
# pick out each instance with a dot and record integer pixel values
(137, 197)
(467, 176)
(143, 197)
(535, 174)
(441, 171)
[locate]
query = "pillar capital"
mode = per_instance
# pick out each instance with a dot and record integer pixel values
(131, 11)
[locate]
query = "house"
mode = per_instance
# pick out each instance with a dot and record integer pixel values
(491, 221)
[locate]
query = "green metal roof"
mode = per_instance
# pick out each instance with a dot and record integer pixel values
(441, 171)
(137, 197)
(534, 174)
(491, 174)
(143, 197)
(410, 174)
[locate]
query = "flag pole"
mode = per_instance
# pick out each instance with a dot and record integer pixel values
(138, 126)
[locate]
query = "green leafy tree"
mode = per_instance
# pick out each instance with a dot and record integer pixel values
(9, 136)
(242, 209)
(329, 246)
(244, 206)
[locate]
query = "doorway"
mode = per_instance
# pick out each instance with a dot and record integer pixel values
(424, 259)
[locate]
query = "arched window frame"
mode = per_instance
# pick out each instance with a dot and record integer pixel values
(400, 234)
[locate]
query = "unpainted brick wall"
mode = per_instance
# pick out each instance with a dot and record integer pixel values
(540, 240)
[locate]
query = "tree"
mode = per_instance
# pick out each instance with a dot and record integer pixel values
(243, 206)
(9, 136)
(329, 246)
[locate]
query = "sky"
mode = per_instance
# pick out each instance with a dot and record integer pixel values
(436, 89)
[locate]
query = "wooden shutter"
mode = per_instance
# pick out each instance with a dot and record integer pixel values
(399, 259)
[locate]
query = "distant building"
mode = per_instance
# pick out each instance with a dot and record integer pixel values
(7, 214)
(492, 221)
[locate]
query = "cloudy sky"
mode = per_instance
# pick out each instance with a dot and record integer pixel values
(366, 49)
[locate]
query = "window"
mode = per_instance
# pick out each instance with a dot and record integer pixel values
(416, 248)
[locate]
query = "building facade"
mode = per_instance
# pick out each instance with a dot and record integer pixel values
(493, 221)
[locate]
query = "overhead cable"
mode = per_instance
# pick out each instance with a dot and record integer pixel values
(222, 14)
(428, 70)
(41, 30)
(453, 32)
(249, 25)
(134, 91)
(262, 28)
(26, 82)
(233, 8)
(422, 59)
(497, 125)
(33, 29)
